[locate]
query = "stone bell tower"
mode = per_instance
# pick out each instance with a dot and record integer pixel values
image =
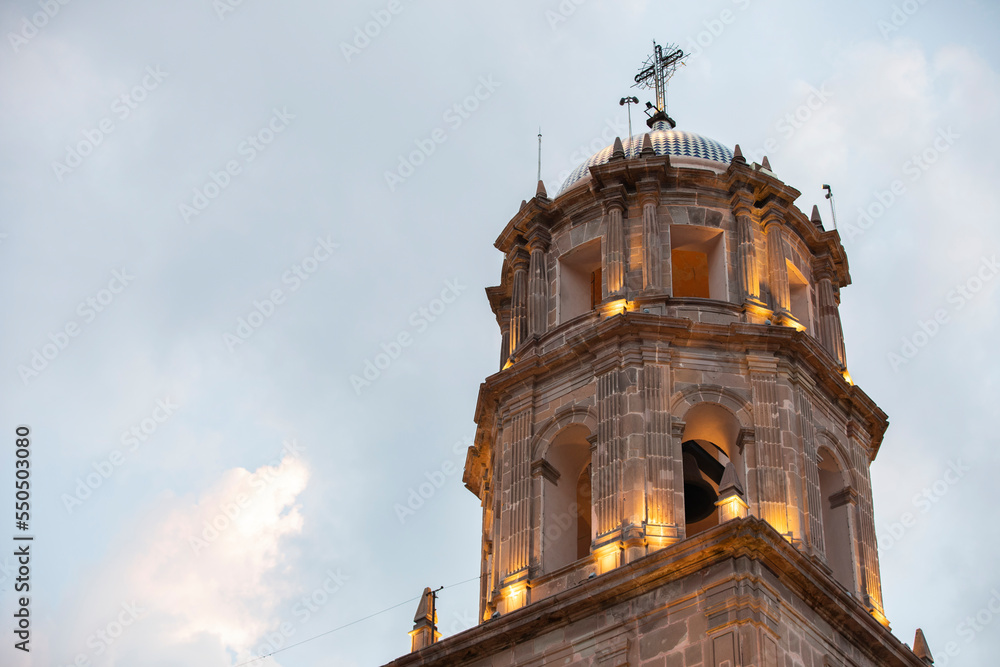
(672, 460)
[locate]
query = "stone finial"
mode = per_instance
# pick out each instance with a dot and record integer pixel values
(424, 631)
(738, 156)
(524, 203)
(766, 164)
(732, 502)
(815, 218)
(618, 152)
(541, 191)
(647, 146)
(730, 482)
(920, 648)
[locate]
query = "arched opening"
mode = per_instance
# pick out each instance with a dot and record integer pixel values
(836, 519)
(566, 499)
(709, 442)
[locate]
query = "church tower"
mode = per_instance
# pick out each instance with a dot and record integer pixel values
(672, 460)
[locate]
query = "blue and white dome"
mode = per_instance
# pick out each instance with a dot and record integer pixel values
(666, 141)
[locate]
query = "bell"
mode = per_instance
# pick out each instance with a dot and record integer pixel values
(699, 494)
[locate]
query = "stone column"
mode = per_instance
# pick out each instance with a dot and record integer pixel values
(662, 522)
(518, 300)
(777, 266)
(652, 257)
(830, 329)
(749, 273)
(771, 492)
(516, 510)
(614, 244)
(503, 319)
(870, 580)
(814, 536)
(607, 457)
(538, 284)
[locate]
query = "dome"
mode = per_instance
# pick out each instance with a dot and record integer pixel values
(666, 141)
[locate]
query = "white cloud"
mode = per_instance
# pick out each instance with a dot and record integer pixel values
(206, 574)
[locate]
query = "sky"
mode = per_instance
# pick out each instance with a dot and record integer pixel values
(217, 216)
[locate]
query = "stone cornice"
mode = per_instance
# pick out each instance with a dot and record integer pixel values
(600, 338)
(751, 539)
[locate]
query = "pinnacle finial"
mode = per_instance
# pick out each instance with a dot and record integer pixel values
(647, 146)
(815, 217)
(738, 155)
(920, 648)
(730, 481)
(766, 164)
(618, 152)
(541, 190)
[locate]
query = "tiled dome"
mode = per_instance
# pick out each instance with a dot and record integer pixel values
(666, 141)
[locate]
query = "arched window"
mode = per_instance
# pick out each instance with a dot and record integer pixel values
(566, 499)
(709, 443)
(835, 501)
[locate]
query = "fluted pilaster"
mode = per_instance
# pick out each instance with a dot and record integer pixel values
(518, 299)
(777, 267)
(615, 254)
(538, 284)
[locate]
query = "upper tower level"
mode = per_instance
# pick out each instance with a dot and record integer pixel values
(672, 359)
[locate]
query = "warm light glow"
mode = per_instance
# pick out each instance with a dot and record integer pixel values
(732, 507)
(617, 307)
(847, 376)
(515, 596)
(607, 557)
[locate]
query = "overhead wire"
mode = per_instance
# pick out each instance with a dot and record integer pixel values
(346, 625)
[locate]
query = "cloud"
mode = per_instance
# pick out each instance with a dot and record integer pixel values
(201, 578)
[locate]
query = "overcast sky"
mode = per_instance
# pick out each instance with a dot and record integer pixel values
(214, 214)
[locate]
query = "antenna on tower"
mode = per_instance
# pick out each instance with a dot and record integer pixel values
(833, 209)
(655, 74)
(539, 152)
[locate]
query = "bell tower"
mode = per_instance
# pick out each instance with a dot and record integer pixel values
(672, 460)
